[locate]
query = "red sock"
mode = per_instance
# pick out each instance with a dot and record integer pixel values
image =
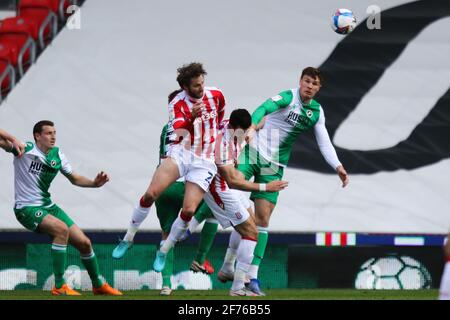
(185, 217)
(144, 204)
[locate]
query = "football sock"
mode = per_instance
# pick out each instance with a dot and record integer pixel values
(244, 258)
(91, 264)
(444, 289)
(167, 272)
(230, 256)
(140, 212)
(206, 239)
(177, 230)
(260, 248)
(59, 257)
(201, 215)
(193, 224)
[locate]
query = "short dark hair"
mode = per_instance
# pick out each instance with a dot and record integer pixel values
(240, 118)
(40, 125)
(173, 94)
(313, 73)
(188, 72)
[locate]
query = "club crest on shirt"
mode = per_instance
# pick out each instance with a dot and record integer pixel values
(238, 215)
(38, 213)
(53, 163)
(309, 113)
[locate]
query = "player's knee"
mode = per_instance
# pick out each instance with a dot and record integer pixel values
(150, 196)
(189, 211)
(61, 230)
(85, 245)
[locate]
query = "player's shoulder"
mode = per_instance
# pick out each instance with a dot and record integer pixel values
(285, 96)
(29, 146)
(215, 92)
(316, 105)
(179, 98)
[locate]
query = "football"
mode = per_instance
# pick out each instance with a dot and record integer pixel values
(392, 273)
(343, 21)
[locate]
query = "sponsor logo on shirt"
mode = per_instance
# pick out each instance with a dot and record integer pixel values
(296, 119)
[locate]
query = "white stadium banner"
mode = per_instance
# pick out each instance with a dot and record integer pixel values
(105, 86)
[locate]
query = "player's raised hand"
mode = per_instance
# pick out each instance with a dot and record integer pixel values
(342, 175)
(275, 186)
(101, 179)
(197, 109)
(18, 148)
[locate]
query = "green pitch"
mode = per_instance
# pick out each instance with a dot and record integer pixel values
(274, 294)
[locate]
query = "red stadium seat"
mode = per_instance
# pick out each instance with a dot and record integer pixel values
(19, 48)
(7, 77)
(40, 14)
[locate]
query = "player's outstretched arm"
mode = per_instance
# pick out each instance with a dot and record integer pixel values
(84, 182)
(236, 180)
(11, 144)
(343, 175)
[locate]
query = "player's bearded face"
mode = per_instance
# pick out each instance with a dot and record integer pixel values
(309, 87)
(196, 87)
(47, 138)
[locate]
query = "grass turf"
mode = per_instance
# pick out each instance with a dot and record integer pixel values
(274, 294)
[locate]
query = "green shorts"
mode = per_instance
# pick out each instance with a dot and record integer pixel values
(169, 204)
(262, 170)
(31, 217)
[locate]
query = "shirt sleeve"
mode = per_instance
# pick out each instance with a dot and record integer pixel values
(273, 104)
(324, 142)
(177, 117)
(66, 167)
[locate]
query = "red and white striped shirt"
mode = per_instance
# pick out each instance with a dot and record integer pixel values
(227, 152)
(197, 135)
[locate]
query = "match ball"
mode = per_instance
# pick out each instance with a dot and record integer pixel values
(343, 21)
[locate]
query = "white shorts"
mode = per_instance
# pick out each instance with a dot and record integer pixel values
(193, 168)
(228, 207)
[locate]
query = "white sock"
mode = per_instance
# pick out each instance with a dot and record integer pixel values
(193, 224)
(253, 272)
(244, 259)
(138, 216)
(444, 289)
(230, 256)
(178, 228)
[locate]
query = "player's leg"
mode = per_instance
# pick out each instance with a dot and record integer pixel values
(226, 272)
(244, 256)
(444, 289)
(198, 177)
(164, 176)
(209, 230)
(265, 203)
(83, 244)
(168, 206)
(167, 272)
(192, 197)
(59, 231)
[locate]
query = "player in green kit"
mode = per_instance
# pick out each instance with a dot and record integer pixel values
(168, 206)
(34, 171)
(286, 116)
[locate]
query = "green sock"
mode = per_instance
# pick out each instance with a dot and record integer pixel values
(206, 240)
(167, 272)
(91, 265)
(59, 257)
(203, 213)
(260, 248)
